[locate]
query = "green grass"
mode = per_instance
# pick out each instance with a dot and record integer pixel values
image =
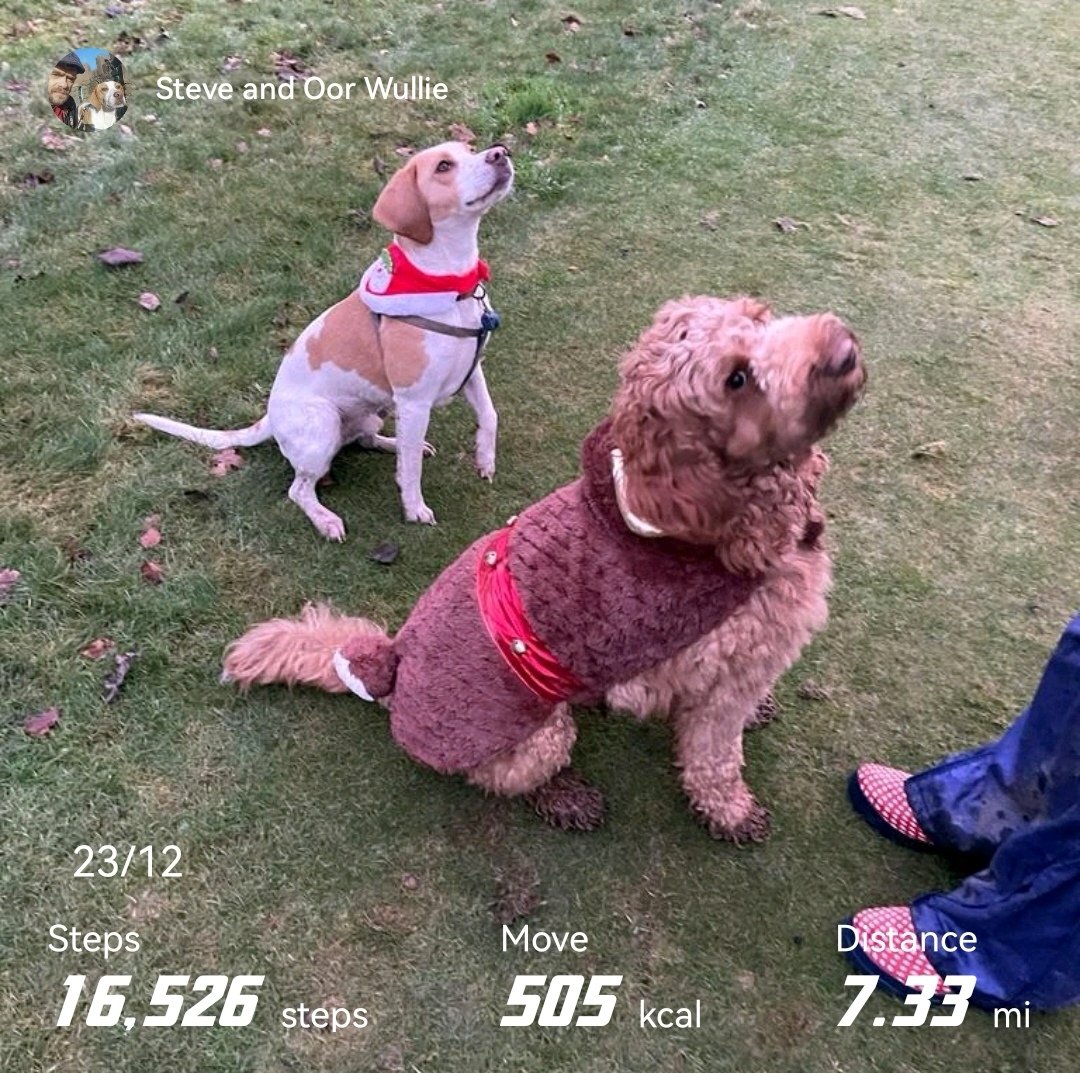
(297, 815)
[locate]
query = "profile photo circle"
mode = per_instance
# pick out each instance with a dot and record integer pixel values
(86, 89)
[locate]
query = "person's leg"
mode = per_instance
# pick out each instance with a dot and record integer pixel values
(974, 801)
(971, 802)
(1024, 911)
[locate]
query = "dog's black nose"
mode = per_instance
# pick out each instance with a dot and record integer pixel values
(498, 155)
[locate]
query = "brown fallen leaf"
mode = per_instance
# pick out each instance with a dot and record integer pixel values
(532, 127)
(385, 553)
(571, 23)
(149, 301)
(711, 220)
(39, 724)
(1045, 221)
(56, 142)
(787, 225)
(152, 573)
(118, 256)
(97, 648)
(9, 578)
(37, 178)
(849, 10)
(114, 680)
(263, 132)
(288, 66)
(552, 57)
(410, 881)
(231, 63)
(405, 150)
(935, 449)
(150, 538)
(811, 690)
(226, 461)
(461, 133)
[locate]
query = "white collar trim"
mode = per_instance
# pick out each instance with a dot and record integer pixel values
(634, 523)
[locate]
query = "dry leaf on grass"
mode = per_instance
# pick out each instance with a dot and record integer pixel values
(9, 577)
(152, 573)
(288, 66)
(149, 301)
(935, 449)
(226, 461)
(231, 63)
(405, 150)
(787, 224)
(118, 256)
(40, 723)
(461, 133)
(97, 648)
(532, 127)
(711, 220)
(114, 680)
(150, 538)
(552, 57)
(385, 553)
(848, 10)
(1045, 221)
(571, 22)
(56, 142)
(37, 178)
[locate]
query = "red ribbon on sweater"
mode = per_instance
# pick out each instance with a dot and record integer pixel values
(504, 616)
(406, 278)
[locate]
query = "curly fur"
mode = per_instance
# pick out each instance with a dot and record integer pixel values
(717, 415)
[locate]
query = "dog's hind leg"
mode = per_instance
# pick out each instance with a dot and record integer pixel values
(367, 433)
(309, 436)
(537, 769)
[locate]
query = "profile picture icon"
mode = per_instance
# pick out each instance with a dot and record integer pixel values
(86, 89)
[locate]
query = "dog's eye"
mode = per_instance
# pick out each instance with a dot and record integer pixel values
(737, 379)
(444, 165)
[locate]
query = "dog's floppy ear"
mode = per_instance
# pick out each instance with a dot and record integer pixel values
(96, 95)
(401, 207)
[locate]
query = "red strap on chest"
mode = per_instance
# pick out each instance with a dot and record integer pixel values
(406, 278)
(504, 617)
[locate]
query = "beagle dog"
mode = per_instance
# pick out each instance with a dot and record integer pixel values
(409, 338)
(98, 111)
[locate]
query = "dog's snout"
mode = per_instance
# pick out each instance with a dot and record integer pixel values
(842, 355)
(498, 155)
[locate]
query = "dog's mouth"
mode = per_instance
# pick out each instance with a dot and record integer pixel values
(501, 182)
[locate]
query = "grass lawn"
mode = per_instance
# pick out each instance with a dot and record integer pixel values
(656, 144)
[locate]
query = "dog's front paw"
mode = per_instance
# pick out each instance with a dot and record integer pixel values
(755, 826)
(485, 468)
(422, 514)
(429, 450)
(568, 802)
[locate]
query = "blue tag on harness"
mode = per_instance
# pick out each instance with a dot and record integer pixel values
(489, 320)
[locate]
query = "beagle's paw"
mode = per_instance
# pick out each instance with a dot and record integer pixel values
(422, 514)
(329, 524)
(485, 469)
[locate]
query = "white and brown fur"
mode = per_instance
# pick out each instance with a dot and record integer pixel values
(346, 370)
(99, 108)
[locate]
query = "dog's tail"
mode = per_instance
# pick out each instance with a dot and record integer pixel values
(210, 437)
(320, 648)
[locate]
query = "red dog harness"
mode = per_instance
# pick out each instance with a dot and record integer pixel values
(503, 615)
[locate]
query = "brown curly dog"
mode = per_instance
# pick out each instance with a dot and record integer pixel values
(679, 576)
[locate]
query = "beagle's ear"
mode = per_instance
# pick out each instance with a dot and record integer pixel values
(401, 207)
(97, 95)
